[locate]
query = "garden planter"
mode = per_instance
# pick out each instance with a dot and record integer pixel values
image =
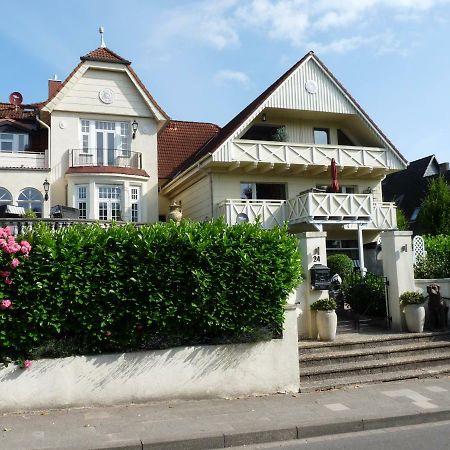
(326, 325)
(415, 318)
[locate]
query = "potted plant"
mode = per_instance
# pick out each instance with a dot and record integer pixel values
(413, 307)
(326, 318)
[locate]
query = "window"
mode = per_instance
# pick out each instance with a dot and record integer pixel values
(31, 199)
(345, 246)
(81, 201)
(85, 128)
(322, 136)
(13, 142)
(263, 191)
(106, 140)
(266, 132)
(5, 197)
(135, 204)
(109, 202)
(125, 138)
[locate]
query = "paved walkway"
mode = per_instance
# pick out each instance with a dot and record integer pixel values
(207, 424)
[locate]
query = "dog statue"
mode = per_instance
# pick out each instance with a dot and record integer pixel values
(437, 307)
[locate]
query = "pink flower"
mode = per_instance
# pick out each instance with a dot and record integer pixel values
(8, 281)
(14, 263)
(108, 333)
(25, 247)
(4, 273)
(5, 304)
(27, 364)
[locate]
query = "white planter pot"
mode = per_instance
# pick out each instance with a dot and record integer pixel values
(415, 318)
(326, 325)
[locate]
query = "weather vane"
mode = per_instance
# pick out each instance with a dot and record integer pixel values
(102, 41)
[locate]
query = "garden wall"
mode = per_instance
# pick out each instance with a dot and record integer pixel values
(181, 372)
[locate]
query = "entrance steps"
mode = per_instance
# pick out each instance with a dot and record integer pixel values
(372, 357)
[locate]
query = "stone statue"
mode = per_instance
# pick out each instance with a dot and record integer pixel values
(437, 307)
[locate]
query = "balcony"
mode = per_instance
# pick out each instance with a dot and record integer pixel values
(94, 157)
(23, 160)
(314, 208)
(261, 155)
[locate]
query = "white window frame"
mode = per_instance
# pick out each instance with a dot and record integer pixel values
(15, 140)
(135, 199)
(82, 199)
(109, 200)
(122, 135)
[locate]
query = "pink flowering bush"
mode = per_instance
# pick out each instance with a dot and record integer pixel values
(12, 254)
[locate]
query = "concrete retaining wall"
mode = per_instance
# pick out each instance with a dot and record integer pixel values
(182, 372)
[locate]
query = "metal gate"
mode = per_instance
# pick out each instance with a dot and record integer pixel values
(364, 301)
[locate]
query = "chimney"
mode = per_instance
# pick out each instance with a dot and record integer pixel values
(443, 167)
(54, 86)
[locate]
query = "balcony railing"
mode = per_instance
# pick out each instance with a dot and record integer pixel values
(305, 154)
(314, 208)
(80, 157)
(23, 160)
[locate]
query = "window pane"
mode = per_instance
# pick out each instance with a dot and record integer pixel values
(6, 137)
(82, 207)
(247, 190)
(6, 146)
(321, 136)
(5, 197)
(271, 191)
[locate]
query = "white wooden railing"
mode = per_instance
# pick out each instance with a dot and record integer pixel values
(313, 208)
(23, 160)
(306, 154)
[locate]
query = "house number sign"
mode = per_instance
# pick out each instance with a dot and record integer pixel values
(106, 96)
(316, 258)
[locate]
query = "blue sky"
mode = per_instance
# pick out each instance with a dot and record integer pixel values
(205, 60)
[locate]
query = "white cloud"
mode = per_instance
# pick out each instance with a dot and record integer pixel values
(334, 25)
(226, 76)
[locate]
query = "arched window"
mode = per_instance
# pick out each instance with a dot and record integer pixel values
(5, 197)
(31, 199)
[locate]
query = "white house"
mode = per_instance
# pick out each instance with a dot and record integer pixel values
(94, 140)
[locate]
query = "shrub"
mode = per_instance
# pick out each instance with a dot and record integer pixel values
(436, 264)
(86, 289)
(365, 295)
(411, 298)
(324, 304)
(340, 264)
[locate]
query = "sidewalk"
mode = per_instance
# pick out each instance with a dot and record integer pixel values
(208, 424)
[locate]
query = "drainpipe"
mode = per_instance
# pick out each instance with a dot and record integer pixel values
(48, 146)
(48, 137)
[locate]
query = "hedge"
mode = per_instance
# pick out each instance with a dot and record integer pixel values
(86, 289)
(436, 264)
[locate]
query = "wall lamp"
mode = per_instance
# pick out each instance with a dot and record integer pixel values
(263, 117)
(46, 185)
(134, 127)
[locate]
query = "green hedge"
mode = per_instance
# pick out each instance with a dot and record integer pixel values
(85, 289)
(436, 264)
(340, 264)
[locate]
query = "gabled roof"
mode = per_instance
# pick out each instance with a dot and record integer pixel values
(407, 187)
(178, 141)
(228, 130)
(104, 54)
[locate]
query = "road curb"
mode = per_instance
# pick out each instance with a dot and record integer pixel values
(228, 440)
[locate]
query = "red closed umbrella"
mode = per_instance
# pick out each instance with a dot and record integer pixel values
(334, 182)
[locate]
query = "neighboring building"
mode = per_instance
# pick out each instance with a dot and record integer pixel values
(94, 139)
(273, 161)
(408, 187)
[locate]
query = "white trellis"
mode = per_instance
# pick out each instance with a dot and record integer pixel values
(419, 251)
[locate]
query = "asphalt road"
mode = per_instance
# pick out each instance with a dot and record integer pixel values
(428, 436)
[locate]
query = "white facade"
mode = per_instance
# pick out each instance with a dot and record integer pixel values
(92, 161)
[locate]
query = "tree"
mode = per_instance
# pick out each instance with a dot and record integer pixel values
(402, 221)
(434, 215)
